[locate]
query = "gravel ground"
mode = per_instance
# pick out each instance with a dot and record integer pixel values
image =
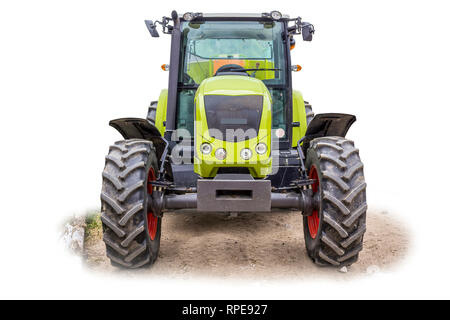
(260, 246)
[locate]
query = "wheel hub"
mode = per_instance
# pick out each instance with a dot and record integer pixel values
(152, 220)
(314, 218)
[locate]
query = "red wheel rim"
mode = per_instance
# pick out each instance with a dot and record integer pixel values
(314, 219)
(152, 220)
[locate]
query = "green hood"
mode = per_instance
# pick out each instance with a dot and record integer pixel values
(226, 104)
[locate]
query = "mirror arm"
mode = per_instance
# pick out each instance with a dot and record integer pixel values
(304, 28)
(292, 30)
(296, 28)
(167, 29)
(298, 25)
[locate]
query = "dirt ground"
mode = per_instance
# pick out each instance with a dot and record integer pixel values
(259, 246)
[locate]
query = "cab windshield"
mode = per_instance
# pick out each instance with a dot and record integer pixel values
(208, 45)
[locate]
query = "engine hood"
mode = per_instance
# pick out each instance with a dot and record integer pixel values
(236, 104)
(233, 86)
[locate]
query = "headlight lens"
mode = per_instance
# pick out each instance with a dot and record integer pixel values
(206, 148)
(279, 133)
(276, 15)
(221, 154)
(188, 16)
(246, 154)
(261, 148)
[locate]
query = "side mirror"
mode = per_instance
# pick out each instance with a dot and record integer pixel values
(307, 31)
(152, 28)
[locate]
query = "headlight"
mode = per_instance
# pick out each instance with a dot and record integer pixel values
(261, 148)
(246, 154)
(205, 148)
(188, 16)
(221, 154)
(276, 15)
(279, 133)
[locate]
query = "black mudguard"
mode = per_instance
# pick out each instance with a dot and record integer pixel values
(136, 128)
(328, 124)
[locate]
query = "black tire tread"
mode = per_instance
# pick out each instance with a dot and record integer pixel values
(123, 199)
(151, 114)
(309, 113)
(344, 203)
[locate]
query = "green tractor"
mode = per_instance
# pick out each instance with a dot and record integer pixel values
(231, 135)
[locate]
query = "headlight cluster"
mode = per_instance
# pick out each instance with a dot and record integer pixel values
(221, 154)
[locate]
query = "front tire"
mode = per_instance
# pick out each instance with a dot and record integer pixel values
(130, 231)
(334, 233)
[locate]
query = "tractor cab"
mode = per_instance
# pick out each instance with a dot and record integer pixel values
(253, 45)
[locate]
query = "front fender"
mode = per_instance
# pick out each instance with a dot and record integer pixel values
(136, 128)
(328, 124)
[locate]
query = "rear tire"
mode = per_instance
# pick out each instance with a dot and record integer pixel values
(309, 113)
(131, 234)
(151, 114)
(334, 233)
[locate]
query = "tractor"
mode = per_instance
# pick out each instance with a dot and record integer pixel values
(230, 135)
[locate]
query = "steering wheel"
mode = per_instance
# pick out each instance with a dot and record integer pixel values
(230, 68)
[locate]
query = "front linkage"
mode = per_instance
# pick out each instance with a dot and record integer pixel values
(232, 195)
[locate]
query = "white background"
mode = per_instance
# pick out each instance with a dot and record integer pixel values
(68, 67)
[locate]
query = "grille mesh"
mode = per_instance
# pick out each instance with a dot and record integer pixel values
(226, 114)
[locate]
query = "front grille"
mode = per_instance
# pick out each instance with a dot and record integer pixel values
(233, 118)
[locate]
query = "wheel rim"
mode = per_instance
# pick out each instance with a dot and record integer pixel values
(314, 219)
(152, 220)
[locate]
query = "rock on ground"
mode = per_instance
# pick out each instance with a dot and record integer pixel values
(73, 236)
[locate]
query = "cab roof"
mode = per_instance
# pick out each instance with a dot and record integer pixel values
(238, 15)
